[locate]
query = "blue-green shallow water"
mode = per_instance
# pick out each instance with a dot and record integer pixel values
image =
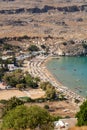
(71, 72)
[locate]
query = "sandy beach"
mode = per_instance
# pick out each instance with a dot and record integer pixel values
(70, 93)
(48, 72)
(37, 68)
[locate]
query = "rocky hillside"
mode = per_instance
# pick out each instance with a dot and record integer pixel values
(45, 9)
(58, 18)
(56, 45)
(73, 48)
(59, 23)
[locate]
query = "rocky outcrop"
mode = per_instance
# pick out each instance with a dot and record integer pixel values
(45, 9)
(72, 49)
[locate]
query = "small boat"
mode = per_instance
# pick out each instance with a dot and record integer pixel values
(74, 69)
(80, 91)
(78, 80)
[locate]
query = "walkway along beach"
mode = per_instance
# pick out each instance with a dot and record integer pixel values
(37, 68)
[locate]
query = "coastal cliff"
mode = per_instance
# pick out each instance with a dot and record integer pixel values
(72, 48)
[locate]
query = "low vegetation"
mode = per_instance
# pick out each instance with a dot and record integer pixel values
(82, 115)
(20, 80)
(33, 48)
(51, 92)
(18, 116)
(49, 89)
(23, 117)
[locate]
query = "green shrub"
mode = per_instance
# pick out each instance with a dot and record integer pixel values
(3, 101)
(84, 45)
(46, 107)
(33, 48)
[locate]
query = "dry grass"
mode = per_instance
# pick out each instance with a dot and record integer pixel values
(7, 94)
(79, 128)
(61, 108)
(44, 21)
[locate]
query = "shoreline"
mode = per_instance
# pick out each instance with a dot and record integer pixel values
(49, 73)
(60, 85)
(37, 68)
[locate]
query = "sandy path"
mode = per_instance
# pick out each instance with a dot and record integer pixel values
(7, 94)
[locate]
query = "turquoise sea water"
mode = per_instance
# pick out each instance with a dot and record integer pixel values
(71, 72)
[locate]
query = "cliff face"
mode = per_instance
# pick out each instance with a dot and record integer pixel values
(45, 9)
(72, 49)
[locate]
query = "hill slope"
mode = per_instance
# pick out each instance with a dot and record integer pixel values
(62, 18)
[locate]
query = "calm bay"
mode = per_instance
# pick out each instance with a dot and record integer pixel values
(70, 72)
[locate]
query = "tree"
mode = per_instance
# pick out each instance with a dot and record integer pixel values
(44, 85)
(11, 104)
(46, 107)
(37, 80)
(33, 48)
(50, 90)
(31, 82)
(14, 78)
(28, 78)
(82, 114)
(2, 71)
(39, 117)
(43, 46)
(23, 117)
(14, 60)
(7, 46)
(20, 86)
(50, 93)
(16, 119)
